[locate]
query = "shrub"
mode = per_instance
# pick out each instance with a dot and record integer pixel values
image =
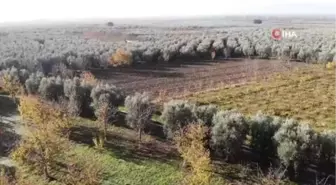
(190, 145)
(140, 111)
(327, 143)
(296, 144)
(121, 58)
(33, 82)
(51, 88)
(205, 113)
(262, 129)
(229, 132)
(177, 114)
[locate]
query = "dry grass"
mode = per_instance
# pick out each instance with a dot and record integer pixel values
(305, 94)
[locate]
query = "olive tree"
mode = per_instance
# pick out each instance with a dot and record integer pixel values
(262, 130)
(33, 82)
(176, 115)
(327, 144)
(140, 111)
(228, 132)
(205, 114)
(78, 95)
(296, 144)
(106, 99)
(51, 88)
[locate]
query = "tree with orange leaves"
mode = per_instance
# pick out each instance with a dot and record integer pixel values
(191, 145)
(121, 58)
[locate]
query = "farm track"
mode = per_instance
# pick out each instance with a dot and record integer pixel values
(175, 79)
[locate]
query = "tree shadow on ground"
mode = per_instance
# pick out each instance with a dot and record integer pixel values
(153, 128)
(123, 143)
(7, 106)
(8, 137)
(158, 70)
(249, 163)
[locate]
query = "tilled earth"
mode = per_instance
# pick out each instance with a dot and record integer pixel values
(175, 79)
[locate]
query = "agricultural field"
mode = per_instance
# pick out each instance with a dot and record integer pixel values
(175, 79)
(210, 101)
(304, 94)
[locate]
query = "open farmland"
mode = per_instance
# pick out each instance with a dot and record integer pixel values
(305, 94)
(176, 79)
(168, 102)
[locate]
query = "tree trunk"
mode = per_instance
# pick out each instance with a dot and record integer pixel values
(140, 134)
(14, 99)
(45, 171)
(105, 129)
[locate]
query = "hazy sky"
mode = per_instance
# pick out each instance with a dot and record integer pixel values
(24, 10)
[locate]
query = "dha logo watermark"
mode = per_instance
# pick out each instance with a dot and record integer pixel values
(278, 34)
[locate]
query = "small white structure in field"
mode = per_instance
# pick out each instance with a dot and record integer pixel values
(129, 41)
(213, 54)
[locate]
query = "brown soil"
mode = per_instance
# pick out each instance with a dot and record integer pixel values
(175, 79)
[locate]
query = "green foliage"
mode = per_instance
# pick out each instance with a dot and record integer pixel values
(106, 99)
(262, 130)
(33, 82)
(229, 132)
(177, 114)
(44, 115)
(205, 113)
(140, 111)
(296, 144)
(13, 80)
(40, 150)
(327, 143)
(15, 74)
(51, 88)
(190, 145)
(78, 95)
(71, 86)
(120, 171)
(113, 95)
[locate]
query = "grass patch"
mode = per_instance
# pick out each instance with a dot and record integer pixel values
(127, 162)
(305, 94)
(119, 171)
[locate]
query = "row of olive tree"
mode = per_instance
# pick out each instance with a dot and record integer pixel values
(82, 97)
(33, 49)
(295, 144)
